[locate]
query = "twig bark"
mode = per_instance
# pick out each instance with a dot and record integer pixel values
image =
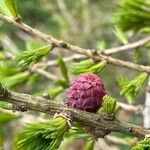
(130, 108)
(127, 46)
(36, 103)
(58, 43)
(44, 73)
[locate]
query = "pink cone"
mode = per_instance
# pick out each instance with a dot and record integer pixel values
(86, 92)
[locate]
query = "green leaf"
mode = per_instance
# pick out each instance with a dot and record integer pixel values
(4, 9)
(53, 92)
(77, 131)
(62, 83)
(101, 45)
(120, 35)
(79, 67)
(63, 68)
(87, 66)
(5, 105)
(30, 57)
(32, 79)
(109, 104)
(143, 145)
(6, 118)
(8, 69)
(89, 144)
(97, 67)
(145, 30)
(130, 88)
(16, 79)
(137, 55)
(11, 5)
(2, 56)
(32, 45)
(43, 135)
(10, 74)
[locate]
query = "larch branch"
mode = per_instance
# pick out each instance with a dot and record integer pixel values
(87, 52)
(40, 104)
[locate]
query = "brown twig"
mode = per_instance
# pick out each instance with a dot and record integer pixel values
(44, 73)
(36, 103)
(58, 43)
(117, 140)
(130, 108)
(127, 46)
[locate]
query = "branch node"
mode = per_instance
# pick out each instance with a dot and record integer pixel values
(3, 91)
(98, 132)
(53, 45)
(46, 96)
(129, 129)
(94, 53)
(62, 44)
(67, 115)
(108, 116)
(19, 107)
(18, 19)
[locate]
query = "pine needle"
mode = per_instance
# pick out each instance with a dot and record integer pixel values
(30, 57)
(43, 135)
(130, 88)
(87, 66)
(16, 79)
(132, 14)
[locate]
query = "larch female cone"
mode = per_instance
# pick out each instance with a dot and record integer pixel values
(86, 92)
